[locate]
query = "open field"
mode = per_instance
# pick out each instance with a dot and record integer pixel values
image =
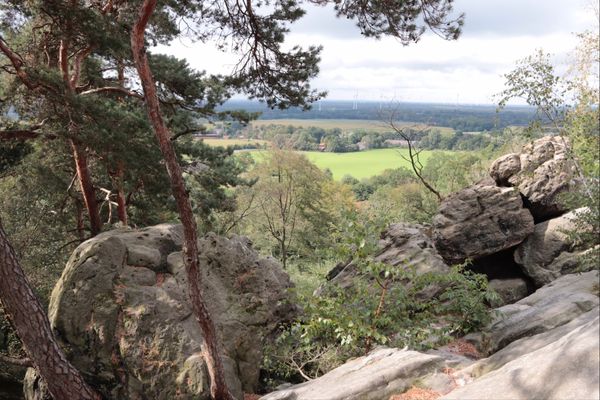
(343, 124)
(362, 164)
(232, 142)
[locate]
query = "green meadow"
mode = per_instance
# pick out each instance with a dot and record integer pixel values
(361, 164)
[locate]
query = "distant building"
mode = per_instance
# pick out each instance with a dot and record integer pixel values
(322, 146)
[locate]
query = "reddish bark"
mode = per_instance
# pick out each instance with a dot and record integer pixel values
(87, 187)
(30, 321)
(211, 348)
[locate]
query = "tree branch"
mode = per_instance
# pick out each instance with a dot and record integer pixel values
(113, 89)
(24, 134)
(20, 362)
(17, 63)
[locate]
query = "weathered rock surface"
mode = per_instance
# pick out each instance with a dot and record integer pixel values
(528, 344)
(480, 220)
(559, 367)
(374, 377)
(509, 290)
(402, 244)
(549, 307)
(540, 172)
(548, 253)
(122, 311)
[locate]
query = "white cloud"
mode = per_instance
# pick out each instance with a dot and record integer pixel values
(496, 34)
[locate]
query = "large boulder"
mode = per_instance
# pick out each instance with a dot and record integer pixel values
(480, 220)
(376, 377)
(402, 244)
(541, 172)
(548, 252)
(549, 307)
(121, 310)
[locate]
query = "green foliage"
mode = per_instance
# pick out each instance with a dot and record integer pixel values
(384, 305)
(290, 209)
(12, 153)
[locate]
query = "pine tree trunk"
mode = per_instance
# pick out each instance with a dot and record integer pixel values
(118, 179)
(219, 390)
(32, 325)
(87, 187)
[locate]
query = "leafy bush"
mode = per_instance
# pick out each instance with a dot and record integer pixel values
(385, 305)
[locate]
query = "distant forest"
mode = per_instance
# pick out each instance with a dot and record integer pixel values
(460, 117)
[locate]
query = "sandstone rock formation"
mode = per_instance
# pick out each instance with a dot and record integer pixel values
(402, 244)
(509, 290)
(548, 253)
(540, 172)
(546, 346)
(121, 309)
(480, 220)
(564, 367)
(376, 376)
(551, 306)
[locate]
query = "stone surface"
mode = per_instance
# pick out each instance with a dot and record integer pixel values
(374, 377)
(528, 344)
(122, 311)
(549, 307)
(509, 290)
(478, 221)
(563, 367)
(547, 253)
(541, 173)
(402, 244)
(505, 167)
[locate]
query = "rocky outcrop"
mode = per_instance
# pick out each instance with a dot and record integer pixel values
(549, 307)
(541, 172)
(528, 344)
(545, 346)
(122, 311)
(402, 244)
(548, 252)
(561, 364)
(509, 290)
(376, 376)
(478, 221)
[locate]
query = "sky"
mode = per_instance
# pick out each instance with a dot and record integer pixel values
(470, 70)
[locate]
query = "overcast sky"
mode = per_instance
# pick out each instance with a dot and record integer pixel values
(469, 70)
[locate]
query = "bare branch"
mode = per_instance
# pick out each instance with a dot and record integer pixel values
(113, 89)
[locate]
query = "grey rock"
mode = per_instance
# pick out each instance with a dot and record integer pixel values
(528, 344)
(564, 367)
(478, 221)
(402, 244)
(505, 167)
(547, 253)
(542, 172)
(373, 377)
(509, 290)
(549, 307)
(129, 327)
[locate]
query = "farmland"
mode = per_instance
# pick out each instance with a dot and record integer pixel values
(343, 124)
(361, 164)
(232, 142)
